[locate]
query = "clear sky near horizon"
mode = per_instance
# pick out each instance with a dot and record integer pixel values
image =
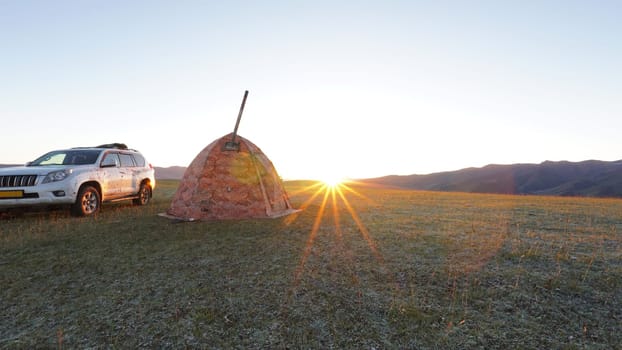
(343, 88)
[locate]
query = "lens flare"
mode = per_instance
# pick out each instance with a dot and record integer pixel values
(333, 193)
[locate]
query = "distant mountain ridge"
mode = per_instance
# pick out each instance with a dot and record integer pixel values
(170, 173)
(592, 178)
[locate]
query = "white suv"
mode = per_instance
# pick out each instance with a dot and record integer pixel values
(81, 177)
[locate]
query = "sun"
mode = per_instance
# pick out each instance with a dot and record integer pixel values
(332, 180)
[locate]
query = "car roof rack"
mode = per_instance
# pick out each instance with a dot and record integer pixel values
(114, 145)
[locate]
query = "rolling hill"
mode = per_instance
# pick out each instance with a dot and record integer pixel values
(591, 178)
(170, 173)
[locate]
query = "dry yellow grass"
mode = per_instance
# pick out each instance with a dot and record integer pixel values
(371, 268)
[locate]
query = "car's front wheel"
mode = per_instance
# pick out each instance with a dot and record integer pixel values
(144, 194)
(87, 203)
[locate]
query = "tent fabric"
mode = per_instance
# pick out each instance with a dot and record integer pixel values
(230, 184)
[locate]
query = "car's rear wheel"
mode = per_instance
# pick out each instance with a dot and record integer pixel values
(87, 203)
(144, 194)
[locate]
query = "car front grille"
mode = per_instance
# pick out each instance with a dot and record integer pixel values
(17, 180)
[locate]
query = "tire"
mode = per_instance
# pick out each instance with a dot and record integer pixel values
(87, 203)
(144, 195)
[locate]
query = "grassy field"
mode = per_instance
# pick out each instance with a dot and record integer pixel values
(363, 268)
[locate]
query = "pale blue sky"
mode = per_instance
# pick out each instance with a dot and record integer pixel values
(357, 88)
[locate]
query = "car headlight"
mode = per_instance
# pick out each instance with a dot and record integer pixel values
(57, 175)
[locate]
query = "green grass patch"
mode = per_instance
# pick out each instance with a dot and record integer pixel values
(387, 269)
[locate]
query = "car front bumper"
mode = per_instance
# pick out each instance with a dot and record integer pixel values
(48, 194)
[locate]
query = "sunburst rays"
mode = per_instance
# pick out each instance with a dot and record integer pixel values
(334, 195)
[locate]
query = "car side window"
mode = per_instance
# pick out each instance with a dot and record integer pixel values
(81, 158)
(126, 160)
(110, 160)
(140, 160)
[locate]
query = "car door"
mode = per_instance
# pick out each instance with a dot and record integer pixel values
(127, 174)
(111, 178)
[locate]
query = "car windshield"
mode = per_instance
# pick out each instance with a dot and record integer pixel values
(70, 157)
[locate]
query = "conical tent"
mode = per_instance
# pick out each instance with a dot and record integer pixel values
(224, 182)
